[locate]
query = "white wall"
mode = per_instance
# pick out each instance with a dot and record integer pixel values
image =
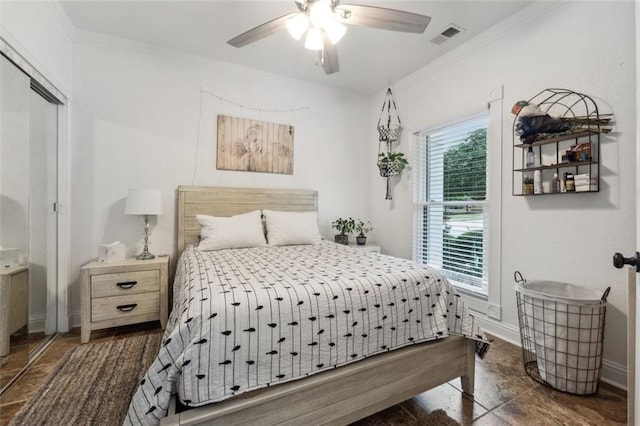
(147, 118)
(41, 32)
(583, 46)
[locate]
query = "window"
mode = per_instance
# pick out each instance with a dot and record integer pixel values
(450, 202)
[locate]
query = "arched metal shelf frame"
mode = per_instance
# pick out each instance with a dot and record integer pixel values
(588, 124)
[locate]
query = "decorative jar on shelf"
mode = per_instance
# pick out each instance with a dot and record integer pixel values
(527, 185)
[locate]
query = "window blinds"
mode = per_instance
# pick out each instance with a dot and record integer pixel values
(450, 201)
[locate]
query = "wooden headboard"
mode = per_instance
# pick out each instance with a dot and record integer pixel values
(225, 201)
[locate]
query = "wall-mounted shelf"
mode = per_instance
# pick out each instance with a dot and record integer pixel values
(570, 144)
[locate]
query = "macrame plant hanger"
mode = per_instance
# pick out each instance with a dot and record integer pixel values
(389, 127)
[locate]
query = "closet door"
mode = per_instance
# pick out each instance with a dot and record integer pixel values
(14, 218)
(42, 216)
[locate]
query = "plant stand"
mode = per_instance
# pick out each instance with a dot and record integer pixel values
(389, 131)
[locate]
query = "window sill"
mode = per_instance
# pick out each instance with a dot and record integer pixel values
(469, 292)
(475, 301)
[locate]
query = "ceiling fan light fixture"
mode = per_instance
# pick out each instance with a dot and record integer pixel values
(320, 14)
(297, 25)
(335, 30)
(313, 40)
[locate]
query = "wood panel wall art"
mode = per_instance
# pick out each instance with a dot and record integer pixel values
(254, 146)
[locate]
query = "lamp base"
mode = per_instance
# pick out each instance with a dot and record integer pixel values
(145, 255)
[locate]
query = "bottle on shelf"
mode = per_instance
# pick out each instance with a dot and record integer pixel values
(555, 183)
(569, 182)
(537, 182)
(531, 158)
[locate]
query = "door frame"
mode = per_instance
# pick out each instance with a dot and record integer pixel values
(63, 207)
(636, 386)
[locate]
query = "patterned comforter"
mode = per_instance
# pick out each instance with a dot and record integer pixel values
(244, 319)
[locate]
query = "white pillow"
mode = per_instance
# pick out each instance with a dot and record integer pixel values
(288, 228)
(243, 230)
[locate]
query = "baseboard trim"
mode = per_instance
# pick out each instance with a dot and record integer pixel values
(500, 329)
(75, 319)
(614, 374)
(36, 324)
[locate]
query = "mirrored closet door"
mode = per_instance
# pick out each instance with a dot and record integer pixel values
(28, 182)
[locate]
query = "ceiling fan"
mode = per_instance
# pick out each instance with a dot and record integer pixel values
(323, 23)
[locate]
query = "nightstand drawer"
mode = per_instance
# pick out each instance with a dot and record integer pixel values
(124, 283)
(116, 307)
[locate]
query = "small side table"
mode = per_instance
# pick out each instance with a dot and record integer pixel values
(14, 303)
(120, 293)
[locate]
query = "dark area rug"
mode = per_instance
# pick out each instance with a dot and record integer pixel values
(92, 384)
(437, 418)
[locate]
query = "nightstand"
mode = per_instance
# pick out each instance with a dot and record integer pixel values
(366, 247)
(120, 293)
(14, 303)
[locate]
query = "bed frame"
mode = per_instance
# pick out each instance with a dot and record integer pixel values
(338, 396)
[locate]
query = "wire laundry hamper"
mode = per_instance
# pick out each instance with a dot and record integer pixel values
(562, 334)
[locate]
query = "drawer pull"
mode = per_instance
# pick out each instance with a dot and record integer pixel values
(127, 284)
(127, 308)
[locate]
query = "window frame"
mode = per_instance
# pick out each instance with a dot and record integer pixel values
(421, 203)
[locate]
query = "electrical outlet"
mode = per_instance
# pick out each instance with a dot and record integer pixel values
(495, 312)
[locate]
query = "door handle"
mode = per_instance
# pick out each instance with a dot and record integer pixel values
(619, 261)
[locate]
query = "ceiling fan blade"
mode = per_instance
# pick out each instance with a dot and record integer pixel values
(383, 18)
(261, 31)
(330, 57)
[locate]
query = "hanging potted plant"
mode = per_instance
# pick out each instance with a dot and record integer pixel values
(362, 229)
(345, 227)
(391, 163)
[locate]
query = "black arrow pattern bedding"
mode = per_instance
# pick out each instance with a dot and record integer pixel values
(244, 319)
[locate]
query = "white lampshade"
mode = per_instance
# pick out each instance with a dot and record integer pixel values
(297, 25)
(144, 202)
(335, 30)
(314, 39)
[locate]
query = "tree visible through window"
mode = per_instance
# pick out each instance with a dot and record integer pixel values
(451, 202)
(464, 253)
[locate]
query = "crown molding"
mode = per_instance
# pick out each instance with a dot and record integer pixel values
(63, 18)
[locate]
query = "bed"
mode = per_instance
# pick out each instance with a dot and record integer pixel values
(298, 334)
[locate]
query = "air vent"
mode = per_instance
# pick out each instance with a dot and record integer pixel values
(450, 32)
(445, 35)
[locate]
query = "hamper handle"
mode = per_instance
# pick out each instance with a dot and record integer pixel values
(517, 277)
(605, 294)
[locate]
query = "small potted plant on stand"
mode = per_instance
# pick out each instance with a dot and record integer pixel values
(527, 185)
(363, 228)
(345, 227)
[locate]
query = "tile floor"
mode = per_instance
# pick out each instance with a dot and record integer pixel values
(504, 394)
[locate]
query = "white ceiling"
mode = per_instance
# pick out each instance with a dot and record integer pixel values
(369, 58)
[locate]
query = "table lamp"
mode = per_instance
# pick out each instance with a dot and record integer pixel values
(144, 202)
